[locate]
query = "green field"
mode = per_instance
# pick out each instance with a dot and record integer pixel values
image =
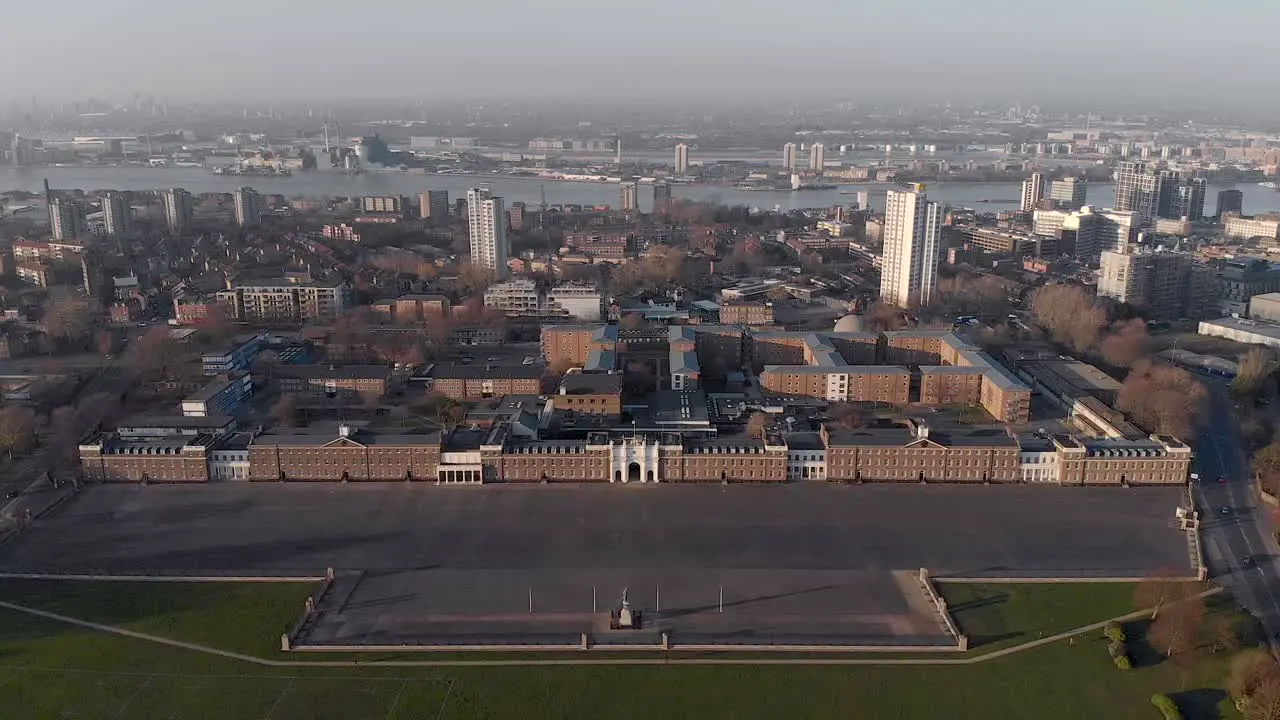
(52, 670)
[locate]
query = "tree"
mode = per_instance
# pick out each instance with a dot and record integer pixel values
(560, 367)
(1266, 462)
(1157, 591)
(633, 321)
(1176, 631)
(1126, 344)
(1070, 315)
(68, 318)
(880, 317)
(1255, 685)
(1256, 367)
(285, 411)
(65, 434)
(757, 426)
(638, 379)
(1264, 702)
(156, 355)
(441, 410)
(847, 417)
(95, 409)
(1225, 633)
(1162, 399)
(264, 365)
(474, 279)
(17, 429)
(217, 324)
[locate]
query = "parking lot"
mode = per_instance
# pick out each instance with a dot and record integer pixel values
(792, 561)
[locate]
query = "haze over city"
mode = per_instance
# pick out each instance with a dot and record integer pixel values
(1090, 50)
(417, 355)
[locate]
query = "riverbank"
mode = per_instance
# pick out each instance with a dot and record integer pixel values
(329, 183)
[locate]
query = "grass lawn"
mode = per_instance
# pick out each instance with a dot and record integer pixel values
(998, 615)
(52, 670)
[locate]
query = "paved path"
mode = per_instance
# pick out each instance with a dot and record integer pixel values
(973, 660)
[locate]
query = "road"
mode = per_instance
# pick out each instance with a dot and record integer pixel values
(1241, 553)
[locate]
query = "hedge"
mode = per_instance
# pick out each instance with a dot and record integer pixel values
(1114, 632)
(1122, 662)
(1166, 706)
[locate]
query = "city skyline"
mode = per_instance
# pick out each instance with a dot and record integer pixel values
(161, 51)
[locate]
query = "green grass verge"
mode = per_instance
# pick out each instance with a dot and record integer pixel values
(53, 670)
(999, 615)
(241, 617)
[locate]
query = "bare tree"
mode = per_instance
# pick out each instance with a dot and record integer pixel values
(560, 367)
(1255, 685)
(1070, 314)
(1249, 670)
(217, 324)
(1224, 632)
(1126, 344)
(1256, 368)
(638, 379)
(474, 279)
(157, 355)
(848, 417)
(1162, 399)
(1264, 702)
(633, 321)
(68, 318)
(881, 317)
(1157, 591)
(17, 429)
(285, 411)
(93, 410)
(1176, 631)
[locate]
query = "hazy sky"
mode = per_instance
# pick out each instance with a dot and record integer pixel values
(1180, 50)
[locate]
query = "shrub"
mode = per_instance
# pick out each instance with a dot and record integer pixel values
(1115, 648)
(1122, 662)
(1114, 632)
(1166, 706)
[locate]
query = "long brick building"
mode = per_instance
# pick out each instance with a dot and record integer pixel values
(510, 452)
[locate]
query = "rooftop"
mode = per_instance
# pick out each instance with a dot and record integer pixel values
(576, 383)
(903, 436)
(312, 372)
(361, 436)
(477, 372)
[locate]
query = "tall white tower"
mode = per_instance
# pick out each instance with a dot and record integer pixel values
(488, 230)
(248, 205)
(1032, 192)
(178, 209)
(116, 213)
(817, 156)
(682, 159)
(789, 156)
(912, 226)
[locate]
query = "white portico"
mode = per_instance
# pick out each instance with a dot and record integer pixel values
(634, 459)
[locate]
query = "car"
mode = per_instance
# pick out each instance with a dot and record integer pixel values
(12, 494)
(1224, 510)
(1248, 561)
(493, 359)
(1222, 481)
(142, 324)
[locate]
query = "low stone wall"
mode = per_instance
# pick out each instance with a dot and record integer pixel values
(962, 641)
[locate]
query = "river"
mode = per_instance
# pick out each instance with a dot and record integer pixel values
(317, 183)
